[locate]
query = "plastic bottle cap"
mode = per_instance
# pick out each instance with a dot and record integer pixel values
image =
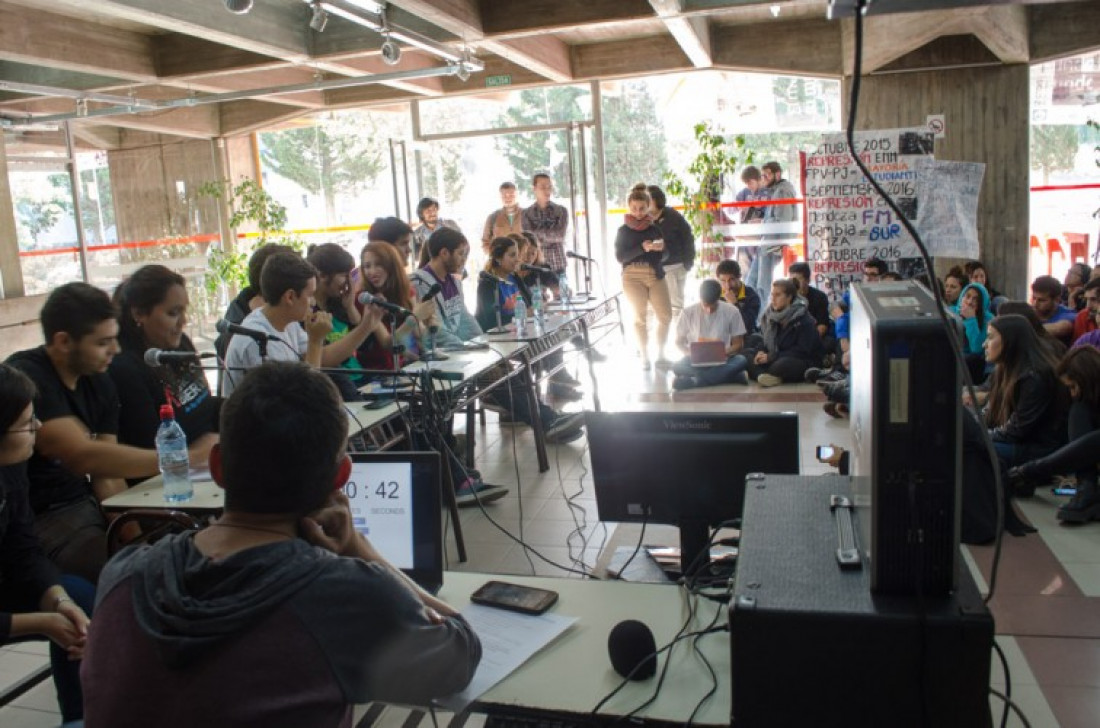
(166, 412)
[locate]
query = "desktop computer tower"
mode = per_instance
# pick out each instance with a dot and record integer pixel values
(906, 438)
(812, 645)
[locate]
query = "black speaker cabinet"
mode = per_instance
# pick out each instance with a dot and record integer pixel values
(811, 644)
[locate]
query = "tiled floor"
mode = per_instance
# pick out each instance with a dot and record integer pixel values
(1047, 607)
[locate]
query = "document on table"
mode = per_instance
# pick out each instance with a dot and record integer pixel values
(508, 639)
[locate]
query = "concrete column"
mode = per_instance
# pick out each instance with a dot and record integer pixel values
(11, 272)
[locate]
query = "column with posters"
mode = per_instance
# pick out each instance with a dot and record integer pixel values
(847, 222)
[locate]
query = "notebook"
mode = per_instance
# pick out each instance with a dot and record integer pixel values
(707, 353)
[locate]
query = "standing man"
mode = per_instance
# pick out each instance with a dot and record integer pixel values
(77, 460)
(428, 212)
(763, 266)
(505, 221)
(680, 244)
(549, 221)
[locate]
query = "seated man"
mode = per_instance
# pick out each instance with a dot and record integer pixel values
(279, 613)
(736, 292)
(288, 284)
(77, 460)
(817, 303)
(712, 319)
(790, 340)
(1046, 296)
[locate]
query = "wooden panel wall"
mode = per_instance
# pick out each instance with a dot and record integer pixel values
(986, 113)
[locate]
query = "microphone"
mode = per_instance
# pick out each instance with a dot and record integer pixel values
(434, 291)
(366, 298)
(225, 327)
(632, 650)
(156, 357)
(578, 256)
(536, 268)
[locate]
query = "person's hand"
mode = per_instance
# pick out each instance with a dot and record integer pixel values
(834, 460)
(372, 316)
(657, 245)
(761, 357)
(318, 325)
(198, 452)
(330, 527)
(424, 310)
(966, 309)
(647, 245)
(67, 628)
(347, 296)
(967, 400)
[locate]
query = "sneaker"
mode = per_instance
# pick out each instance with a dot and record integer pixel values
(507, 419)
(566, 437)
(768, 380)
(815, 373)
(564, 377)
(663, 365)
(474, 492)
(684, 383)
(742, 378)
(563, 425)
(836, 375)
(557, 390)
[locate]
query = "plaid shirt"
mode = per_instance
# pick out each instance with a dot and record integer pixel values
(549, 225)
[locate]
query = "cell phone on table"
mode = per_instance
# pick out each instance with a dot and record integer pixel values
(825, 452)
(517, 598)
(1063, 491)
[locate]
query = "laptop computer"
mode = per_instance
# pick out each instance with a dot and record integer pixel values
(707, 353)
(395, 502)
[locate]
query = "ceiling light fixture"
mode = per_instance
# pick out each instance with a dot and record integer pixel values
(319, 19)
(238, 7)
(391, 52)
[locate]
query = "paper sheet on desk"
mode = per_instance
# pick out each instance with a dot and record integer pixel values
(508, 639)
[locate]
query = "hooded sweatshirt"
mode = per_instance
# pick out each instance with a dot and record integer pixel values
(975, 326)
(283, 634)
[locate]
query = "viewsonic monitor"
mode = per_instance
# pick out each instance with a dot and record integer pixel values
(685, 469)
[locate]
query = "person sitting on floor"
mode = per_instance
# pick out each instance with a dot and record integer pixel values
(791, 344)
(36, 601)
(735, 291)
(280, 613)
(712, 319)
(1046, 296)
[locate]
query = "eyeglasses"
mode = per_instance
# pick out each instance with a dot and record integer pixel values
(35, 426)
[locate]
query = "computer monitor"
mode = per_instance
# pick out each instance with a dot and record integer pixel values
(396, 503)
(685, 469)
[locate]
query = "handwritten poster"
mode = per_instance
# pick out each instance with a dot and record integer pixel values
(947, 220)
(847, 222)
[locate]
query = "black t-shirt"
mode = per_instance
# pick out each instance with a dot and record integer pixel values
(817, 303)
(94, 402)
(25, 572)
(142, 390)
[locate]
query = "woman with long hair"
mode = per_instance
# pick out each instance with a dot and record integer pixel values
(1021, 308)
(152, 314)
(383, 275)
(1080, 372)
(976, 273)
(1025, 410)
(640, 247)
(36, 601)
(953, 284)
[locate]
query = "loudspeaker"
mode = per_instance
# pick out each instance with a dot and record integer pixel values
(812, 645)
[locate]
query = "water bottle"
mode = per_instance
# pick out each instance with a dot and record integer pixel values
(563, 287)
(175, 464)
(536, 304)
(520, 316)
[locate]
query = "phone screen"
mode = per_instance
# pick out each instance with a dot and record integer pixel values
(824, 452)
(526, 599)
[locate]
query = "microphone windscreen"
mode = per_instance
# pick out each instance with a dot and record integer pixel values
(222, 326)
(152, 357)
(629, 644)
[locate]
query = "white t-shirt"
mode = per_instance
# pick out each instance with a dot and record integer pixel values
(698, 325)
(244, 352)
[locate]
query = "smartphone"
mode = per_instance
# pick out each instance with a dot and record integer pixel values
(824, 452)
(1064, 491)
(526, 599)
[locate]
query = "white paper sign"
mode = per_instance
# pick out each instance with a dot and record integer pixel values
(947, 220)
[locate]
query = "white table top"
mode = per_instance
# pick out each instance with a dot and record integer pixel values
(150, 494)
(573, 673)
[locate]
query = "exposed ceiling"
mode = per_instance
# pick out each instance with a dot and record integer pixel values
(194, 69)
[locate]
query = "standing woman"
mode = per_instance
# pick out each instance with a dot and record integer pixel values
(1025, 411)
(680, 242)
(152, 310)
(640, 247)
(35, 600)
(383, 275)
(1080, 372)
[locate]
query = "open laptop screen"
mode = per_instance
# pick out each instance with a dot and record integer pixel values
(396, 503)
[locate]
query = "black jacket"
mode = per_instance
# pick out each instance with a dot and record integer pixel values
(628, 248)
(679, 240)
(1038, 418)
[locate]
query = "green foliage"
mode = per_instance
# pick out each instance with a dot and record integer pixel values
(339, 154)
(534, 152)
(634, 141)
(719, 158)
(96, 213)
(38, 216)
(1053, 148)
(249, 204)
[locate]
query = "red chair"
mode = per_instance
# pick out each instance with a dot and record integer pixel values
(1053, 246)
(1078, 247)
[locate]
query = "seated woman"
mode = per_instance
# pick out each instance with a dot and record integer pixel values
(1025, 410)
(36, 601)
(498, 288)
(1080, 372)
(152, 310)
(791, 344)
(973, 309)
(953, 284)
(977, 273)
(1047, 340)
(382, 274)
